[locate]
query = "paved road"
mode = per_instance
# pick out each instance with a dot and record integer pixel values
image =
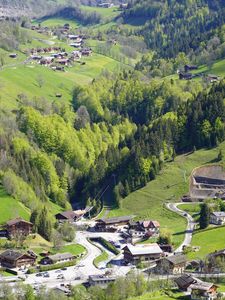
(190, 224)
(85, 266)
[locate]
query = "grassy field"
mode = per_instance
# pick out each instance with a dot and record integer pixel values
(74, 249)
(54, 22)
(169, 185)
(106, 13)
(102, 257)
(208, 241)
(11, 208)
(22, 79)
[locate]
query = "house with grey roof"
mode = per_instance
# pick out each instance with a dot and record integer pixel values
(57, 258)
(217, 217)
(142, 253)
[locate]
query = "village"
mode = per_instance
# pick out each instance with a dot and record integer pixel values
(123, 238)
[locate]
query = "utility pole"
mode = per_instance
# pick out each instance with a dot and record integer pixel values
(114, 176)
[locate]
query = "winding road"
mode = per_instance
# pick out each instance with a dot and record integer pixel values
(190, 224)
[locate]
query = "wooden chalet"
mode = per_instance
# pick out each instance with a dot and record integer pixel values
(18, 226)
(72, 215)
(185, 76)
(188, 68)
(173, 264)
(142, 253)
(105, 224)
(184, 281)
(203, 290)
(13, 259)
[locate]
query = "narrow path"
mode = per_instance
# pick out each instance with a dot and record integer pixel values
(190, 224)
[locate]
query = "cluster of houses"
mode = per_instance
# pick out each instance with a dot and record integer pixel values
(13, 259)
(57, 60)
(186, 74)
(135, 229)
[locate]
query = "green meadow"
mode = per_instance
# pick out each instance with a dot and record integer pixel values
(169, 186)
(209, 241)
(11, 208)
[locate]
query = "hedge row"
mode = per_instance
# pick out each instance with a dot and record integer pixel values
(106, 244)
(52, 267)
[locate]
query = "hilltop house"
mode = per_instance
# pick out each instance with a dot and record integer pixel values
(142, 253)
(57, 258)
(217, 217)
(13, 259)
(18, 226)
(174, 264)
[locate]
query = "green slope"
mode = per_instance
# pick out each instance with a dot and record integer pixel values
(11, 208)
(169, 185)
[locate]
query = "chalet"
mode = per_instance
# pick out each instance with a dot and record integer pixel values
(76, 45)
(100, 280)
(72, 216)
(143, 228)
(105, 224)
(86, 52)
(13, 55)
(217, 217)
(142, 253)
(18, 226)
(185, 76)
(203, 290)
(13, 259)
(63, 61)
(105, 5)
(57, 258)
(72, 37)
(46, 60)
(184, 281)
(174, 264)
(188, 68)
(212, 78)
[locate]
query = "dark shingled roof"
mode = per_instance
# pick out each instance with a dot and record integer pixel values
(11, 255)
(116, 219)
(184, 281)
(176, 259)
(69, 214)
(16, 221)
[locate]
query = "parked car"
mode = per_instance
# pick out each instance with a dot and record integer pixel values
(64, 269)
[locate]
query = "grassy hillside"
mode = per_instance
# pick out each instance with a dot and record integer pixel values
(169, 185)
(209, 241)
(106, 13)
(11, 208)
(22, 79)
(53, 22)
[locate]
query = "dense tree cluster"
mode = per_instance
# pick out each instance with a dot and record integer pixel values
(177, 26)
